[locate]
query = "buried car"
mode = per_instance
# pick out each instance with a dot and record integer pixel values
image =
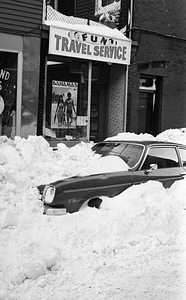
(145, 160)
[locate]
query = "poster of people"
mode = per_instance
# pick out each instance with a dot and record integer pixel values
(64, 104)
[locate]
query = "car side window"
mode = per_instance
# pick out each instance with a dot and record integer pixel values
(183, 156)
(164, 157)
(131, 154)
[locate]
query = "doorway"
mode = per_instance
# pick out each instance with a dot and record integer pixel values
(98, 119)
(149, 105)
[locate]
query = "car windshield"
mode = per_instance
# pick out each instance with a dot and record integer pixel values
(129, 152)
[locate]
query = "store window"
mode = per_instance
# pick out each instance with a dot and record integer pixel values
(8, 86)
(107, 6)
(68, 99)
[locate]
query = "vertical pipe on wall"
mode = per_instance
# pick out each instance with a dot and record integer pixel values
(126, 100)
(19, 93)
(45, 92)
(75, 8)
(88, 22)
(89, 98)
(56, 5)
(127, 72)
(44, 12)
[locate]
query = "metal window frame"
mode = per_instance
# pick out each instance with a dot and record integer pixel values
(18, 89)
(89, 98)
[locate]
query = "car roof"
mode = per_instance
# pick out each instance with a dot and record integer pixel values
(144, 142)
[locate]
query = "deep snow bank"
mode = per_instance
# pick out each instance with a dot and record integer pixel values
(46, 257)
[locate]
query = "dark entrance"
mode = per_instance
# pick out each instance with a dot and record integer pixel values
(149, 106)
(98, 128)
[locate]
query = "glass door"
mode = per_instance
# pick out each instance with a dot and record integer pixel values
(147, 105)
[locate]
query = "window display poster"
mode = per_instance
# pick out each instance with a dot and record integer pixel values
(64, 104)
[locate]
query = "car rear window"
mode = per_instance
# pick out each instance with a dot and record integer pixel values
(130, 153)
(183, 156)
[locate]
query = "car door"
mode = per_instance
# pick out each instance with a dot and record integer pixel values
(72, 193)
(106, 184)
(167, 167)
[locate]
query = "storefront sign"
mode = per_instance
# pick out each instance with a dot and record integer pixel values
(89, 46)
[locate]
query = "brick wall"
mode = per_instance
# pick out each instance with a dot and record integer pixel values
(116, 99)
(174, 95)
(159, 30)
(154, 47)
(163, 16)
(133, 99)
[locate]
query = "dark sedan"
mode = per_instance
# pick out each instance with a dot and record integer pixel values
(146, 160)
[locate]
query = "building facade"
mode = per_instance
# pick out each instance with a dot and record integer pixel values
(35, 76)
(83, 77)
(20, 35)
(156, 98)
(145, 94)
(157, 81)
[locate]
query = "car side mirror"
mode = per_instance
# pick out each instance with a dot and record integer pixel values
(152, 168)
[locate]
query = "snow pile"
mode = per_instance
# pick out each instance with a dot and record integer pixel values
(105, 164)
(133, 248)
(170, 135)
(128, 136)
(173, 135)
(54, 18)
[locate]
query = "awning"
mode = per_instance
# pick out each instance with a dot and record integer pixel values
(92, 42)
